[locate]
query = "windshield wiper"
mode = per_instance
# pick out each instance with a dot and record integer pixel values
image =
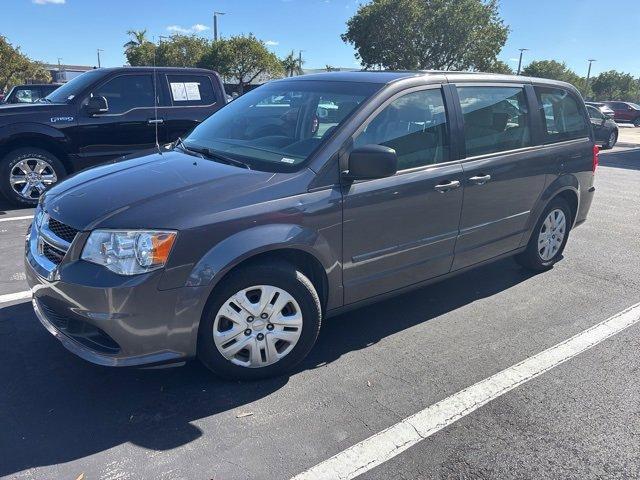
(212, 154)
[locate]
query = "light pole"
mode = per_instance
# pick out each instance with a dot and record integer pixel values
(586, 88)
(300, 62)
(522, 50)
(215, 24)
(98, 51)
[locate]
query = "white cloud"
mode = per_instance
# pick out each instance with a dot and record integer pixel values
(197, 28)
(53, 2)
(271, 43)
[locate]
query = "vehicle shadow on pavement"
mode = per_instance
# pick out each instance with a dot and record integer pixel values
(629, 159)
(56, 408)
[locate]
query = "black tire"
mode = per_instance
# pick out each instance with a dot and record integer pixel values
(531, 258)
(636, 122)
(283, 276)
(8, 164)
(612, 140)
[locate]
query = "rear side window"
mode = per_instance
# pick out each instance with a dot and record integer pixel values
(496, 119)
(127, 92)
(415, 126)
(561, 115)
(189, 90)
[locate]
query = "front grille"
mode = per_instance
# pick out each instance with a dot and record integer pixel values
(63, 231)
(52, 253)
(82, 332)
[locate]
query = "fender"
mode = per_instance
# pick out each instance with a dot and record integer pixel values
(566, 182)
(18, 131)
(247, 243)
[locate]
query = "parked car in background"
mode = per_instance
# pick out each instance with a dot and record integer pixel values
(100, 115)
(299, 200)
(625, 112)
(29, 93)
(604, 109)
(605, 130)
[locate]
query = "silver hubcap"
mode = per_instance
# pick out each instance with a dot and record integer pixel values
(612, 139)
(552, 234)
(257, 326)
(31, 176)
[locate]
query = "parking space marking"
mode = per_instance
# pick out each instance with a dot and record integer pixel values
(12, 297)
(25, 217)
(392, 441)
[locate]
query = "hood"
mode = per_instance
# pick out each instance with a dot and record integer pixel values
(170, 190)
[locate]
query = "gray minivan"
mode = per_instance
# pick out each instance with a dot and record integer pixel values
(304, 198)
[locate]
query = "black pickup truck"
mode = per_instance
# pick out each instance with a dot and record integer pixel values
(100, 115)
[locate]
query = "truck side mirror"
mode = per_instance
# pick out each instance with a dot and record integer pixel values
(97, 105)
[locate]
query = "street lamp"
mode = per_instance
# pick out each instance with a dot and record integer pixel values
(98, 51)
(586, 88)
(215, 24)
(522, 50)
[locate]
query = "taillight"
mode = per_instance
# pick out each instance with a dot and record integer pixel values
(596, 157)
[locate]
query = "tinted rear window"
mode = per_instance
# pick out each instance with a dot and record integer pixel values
(186, 90)
(562, 115)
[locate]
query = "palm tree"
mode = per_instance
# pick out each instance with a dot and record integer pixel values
(290, 64)
(138, 37)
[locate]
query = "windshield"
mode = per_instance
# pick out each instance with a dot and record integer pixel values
(73, 87)
(279, 125)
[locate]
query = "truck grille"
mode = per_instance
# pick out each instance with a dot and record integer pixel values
(63, 231)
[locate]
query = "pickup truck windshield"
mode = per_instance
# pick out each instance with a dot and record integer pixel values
(73, 87)
(279, 125)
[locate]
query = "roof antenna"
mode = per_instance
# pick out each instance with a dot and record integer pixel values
(156, 121)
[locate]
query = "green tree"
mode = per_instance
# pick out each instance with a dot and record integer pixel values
(290, 65)
(137, 38)
(182, 51)
(499, 67)
(16, 67)
(613, 85)
(141, 55)
(427, 34)
(242, 58)
(553, 70)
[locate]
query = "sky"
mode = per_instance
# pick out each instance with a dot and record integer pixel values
(566, 30)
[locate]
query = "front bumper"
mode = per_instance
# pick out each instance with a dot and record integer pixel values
(113, 320)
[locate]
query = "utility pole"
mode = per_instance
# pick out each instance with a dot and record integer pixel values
(522, 50)
(586, 88)
(99, 50)
(215, 24)
(300, 62)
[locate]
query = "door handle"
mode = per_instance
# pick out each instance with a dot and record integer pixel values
(445, 187)
(480, 179)
(154, 121)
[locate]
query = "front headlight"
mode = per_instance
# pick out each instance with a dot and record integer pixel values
(129, 252)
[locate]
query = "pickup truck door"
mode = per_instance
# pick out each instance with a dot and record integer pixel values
(126, 127)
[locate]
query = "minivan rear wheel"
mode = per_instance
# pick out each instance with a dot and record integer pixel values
(260, 322)
(549, 237)
(25, 173)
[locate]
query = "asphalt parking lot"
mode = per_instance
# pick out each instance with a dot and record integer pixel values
(62, 417)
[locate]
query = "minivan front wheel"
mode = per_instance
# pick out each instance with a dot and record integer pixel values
(260, 323)
(549, 237)
(26, 173)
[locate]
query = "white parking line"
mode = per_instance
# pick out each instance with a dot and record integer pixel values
(25, 217)
(388, 443)
(12, 297)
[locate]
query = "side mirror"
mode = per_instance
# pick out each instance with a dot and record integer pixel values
(371, 161)
(97, 105)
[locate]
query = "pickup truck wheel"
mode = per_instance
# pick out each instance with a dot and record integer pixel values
(259, 323)
(26, 173)
(549, 237)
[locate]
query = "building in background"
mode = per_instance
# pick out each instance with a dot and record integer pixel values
(61, 73)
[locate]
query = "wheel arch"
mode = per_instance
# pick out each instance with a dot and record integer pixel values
(40, 141)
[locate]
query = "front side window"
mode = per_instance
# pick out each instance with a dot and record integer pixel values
(561, 115)
(188, 90)
(496, 119)
(415, 126)
(279, 125)
(594, 113)
(127, 92)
